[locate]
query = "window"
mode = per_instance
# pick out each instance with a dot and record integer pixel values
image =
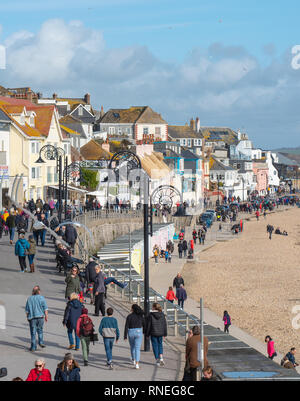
(111, 130)
(188, 142)
(157, 131)
(145, 130)
(35, 172)
(49, 175)
(80, 111)
(183, 142)
(32, 147)
(31, 121)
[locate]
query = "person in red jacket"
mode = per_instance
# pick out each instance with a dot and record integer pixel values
(39, 373)
(171, 295)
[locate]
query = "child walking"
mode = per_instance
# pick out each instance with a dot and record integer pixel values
(227, 321)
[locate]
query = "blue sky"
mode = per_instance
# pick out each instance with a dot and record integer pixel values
(178, 57)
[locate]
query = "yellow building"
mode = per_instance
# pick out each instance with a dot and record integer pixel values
(28, 128)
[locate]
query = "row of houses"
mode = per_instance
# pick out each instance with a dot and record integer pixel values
(199, 161)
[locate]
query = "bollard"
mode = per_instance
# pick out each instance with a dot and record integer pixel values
(139, 294)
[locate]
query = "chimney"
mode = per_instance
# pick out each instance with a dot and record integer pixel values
(192, 124)
(54, 96)
(29, 95)
(105, 145)
(102, 112)
(87, 98)
(198, 124)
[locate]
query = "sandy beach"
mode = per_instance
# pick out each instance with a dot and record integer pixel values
(256, 279)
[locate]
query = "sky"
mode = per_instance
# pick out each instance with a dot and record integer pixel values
(229, 63)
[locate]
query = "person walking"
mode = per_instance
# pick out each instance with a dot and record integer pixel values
(199, 235)
(181, 295)
(184, 247)
(180, 249)
(71, 235)
(73, 311)
(156, 329)
(177, 281)
(156, 253)
(227, 321)
(36, 311)
(203, 237)
(134, 328)
(31, 252)
(99, 292)
(68, 370)
(166, 255)
(191, 352)
(85, 331)
(73, 282)
(270, 347)
(171, 295)
(109, 330)
(21, 250)
(11, 224)
(39, 373)
(90, 276)
(44, 230)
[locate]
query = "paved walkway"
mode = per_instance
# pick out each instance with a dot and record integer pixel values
(16, 287)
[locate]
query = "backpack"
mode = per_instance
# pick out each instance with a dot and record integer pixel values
(86, 326)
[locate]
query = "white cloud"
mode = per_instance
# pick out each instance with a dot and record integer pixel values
(224, 85)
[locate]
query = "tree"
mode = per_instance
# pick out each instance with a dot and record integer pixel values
(89, 179)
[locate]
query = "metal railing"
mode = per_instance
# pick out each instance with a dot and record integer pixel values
(179, 322)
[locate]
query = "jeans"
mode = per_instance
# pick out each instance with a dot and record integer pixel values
(71, 340)
(108, 345)
(36, 327)
(157, 346)
(180, 303)
(43, 236)
(85, 345)
(30, 259)
(135, 337)
(12, 233)
(113, 280)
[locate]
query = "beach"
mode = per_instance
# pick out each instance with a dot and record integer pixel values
(257, 280)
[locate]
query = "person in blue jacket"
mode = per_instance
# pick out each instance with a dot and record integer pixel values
(21, 249)
(68, 370)
(72, 313)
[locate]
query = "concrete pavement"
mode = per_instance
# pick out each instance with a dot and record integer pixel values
(16, 287)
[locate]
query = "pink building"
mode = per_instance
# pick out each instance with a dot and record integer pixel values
(261, 173)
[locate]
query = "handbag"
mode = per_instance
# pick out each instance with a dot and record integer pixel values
(94, 338)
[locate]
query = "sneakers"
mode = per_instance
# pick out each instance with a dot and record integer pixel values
(42, 345)
(76, 349)
(111, 366)
(71, 346)
(137, 366)
(85, 363)
(161, 363)
(133, 362)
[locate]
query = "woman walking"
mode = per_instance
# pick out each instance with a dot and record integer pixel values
(39, 373)
(157, 329)
(134, 328)
(68, 370)
(73, 282)
(31, 252)
(270, 347)
(73, 312)
(227, 321)
(171, 295)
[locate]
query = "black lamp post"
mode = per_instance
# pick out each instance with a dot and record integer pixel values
(70, 171)
(51, 152)
(133, 162)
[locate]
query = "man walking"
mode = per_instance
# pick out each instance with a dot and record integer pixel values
(109, 330)
(99, 292)
(36, 310)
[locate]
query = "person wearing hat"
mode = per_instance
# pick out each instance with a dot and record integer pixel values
(68, 370)
(84, 330)
(21, 250)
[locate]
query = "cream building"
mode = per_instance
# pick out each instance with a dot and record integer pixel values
(28, 128)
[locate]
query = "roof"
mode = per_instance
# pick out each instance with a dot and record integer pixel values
(216, 165)
(93, 151)
(181, 131)
(26, 129)
(187, 154)
(155, 166)
(4, 117)
(226, 135)
(132, 115)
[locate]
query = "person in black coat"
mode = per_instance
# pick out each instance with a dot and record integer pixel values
(68, 370)
(180, 249)
(72, 314)
(156, 329)
(71, 235)
(90, 276)
(178, 280)
(184, 247)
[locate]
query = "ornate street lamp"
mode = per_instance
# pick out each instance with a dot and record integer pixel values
(50, 152)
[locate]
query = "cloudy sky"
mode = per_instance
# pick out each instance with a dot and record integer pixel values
(230, 63)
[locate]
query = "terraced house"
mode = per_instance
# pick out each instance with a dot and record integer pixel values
(135, 124)
(26, 128)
